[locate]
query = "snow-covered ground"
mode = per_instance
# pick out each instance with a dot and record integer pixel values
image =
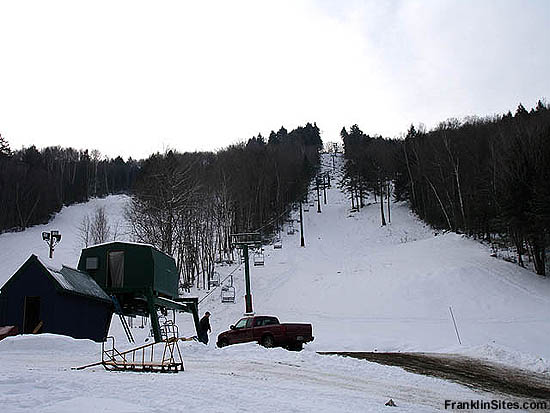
(363, 287)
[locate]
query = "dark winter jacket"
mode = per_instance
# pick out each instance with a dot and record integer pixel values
(204, 325)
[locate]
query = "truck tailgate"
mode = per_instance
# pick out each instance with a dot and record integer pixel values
(298, 332)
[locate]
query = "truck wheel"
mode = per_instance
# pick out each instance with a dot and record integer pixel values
(223, 343)
(296, 347)
(268, 341)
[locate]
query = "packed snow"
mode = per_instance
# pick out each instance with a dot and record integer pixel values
(363, 287)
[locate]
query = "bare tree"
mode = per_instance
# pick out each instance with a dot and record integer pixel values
(85, 232)
(115, 231)
(100, 229)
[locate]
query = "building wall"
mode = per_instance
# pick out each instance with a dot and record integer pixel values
(81, 317)
(166, 274)
(61, 312)
(138, 264)
(32, 282)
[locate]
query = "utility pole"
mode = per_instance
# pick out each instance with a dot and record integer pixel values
(302, 243)
(52, 238)
(318, 197)
(325, 192)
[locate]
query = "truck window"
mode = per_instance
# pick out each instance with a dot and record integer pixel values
(241, 323)
(265, 321)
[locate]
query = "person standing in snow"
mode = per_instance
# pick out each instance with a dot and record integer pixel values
(204, 328)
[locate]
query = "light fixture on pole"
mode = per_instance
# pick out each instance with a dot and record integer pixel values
(51, 238)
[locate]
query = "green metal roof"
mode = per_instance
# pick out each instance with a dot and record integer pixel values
(78, 282)
(65, 279)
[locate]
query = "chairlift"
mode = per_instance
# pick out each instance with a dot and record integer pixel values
(278, 244)
(228, 294)
(258, 258)
(290, 229)
(306, 207)
(215, 279)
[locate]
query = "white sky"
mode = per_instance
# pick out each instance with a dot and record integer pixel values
(134, 77)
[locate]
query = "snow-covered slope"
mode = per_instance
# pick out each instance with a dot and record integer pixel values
(363, 287)
(16, 247)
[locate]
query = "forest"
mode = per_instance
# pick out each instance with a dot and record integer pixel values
(485, 177)
(488, 178)
(189, 204)
(35, 184)
(185, 204)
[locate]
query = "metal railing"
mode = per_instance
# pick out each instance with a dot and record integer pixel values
(142, 358)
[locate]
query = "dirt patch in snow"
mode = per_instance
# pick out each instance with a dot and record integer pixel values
(471, 372)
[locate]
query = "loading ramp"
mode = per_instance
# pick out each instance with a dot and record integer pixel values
(163, 357)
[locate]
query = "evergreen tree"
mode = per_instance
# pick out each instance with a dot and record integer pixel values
(273, 139)
(4, 147)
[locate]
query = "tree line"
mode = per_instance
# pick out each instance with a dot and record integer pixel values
(370, 168)
(189, 204)
(35, 184)
(486, 177)
(186, 204)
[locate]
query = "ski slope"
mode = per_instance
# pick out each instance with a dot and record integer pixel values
(363, 287)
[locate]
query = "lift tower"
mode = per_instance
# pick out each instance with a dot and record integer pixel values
(243, 241)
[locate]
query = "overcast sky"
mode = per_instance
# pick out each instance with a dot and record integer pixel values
(135, 77)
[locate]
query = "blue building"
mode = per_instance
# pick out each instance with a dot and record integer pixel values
(39, 299)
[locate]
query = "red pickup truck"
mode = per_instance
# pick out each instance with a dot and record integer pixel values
(267, 331)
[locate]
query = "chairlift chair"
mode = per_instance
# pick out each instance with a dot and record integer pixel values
(215, 279)
(228, 294)
(278, 244)
(290, 229)
(258, 258)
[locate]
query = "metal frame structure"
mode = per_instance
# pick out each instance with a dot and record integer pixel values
(144, 358)
(244, 241)
(149, 282)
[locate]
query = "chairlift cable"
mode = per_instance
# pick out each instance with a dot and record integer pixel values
(221, 283)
